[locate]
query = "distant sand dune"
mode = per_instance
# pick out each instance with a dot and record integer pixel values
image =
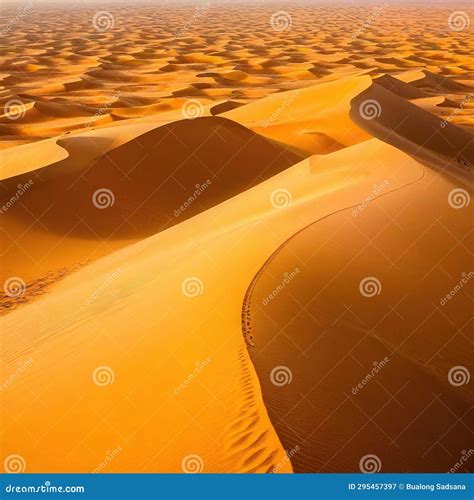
(445, 145)
(161, 181)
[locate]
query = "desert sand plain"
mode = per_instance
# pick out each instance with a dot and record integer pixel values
(228, 236)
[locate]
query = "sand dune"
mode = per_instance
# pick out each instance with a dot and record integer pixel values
(333, 339)
(108, 198)
(440, 144)
(249, 225)
(190, 201)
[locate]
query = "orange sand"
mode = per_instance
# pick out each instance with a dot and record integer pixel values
(159, 177)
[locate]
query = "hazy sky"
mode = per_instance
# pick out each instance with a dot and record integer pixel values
(257, 2)
(465, 4)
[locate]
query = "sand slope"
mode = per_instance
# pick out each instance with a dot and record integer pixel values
(93, 203)
(161, 175)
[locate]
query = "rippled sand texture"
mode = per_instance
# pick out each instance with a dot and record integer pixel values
(228, 234)
(152, 58)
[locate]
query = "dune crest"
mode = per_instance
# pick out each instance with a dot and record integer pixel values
(215, 221)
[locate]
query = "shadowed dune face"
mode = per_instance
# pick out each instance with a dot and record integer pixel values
(351, 368)
(438, 143)
(84, 207)
(159, 179)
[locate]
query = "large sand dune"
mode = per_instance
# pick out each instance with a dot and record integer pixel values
(191, 201)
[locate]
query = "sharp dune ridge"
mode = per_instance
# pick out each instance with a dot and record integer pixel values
(191, 201)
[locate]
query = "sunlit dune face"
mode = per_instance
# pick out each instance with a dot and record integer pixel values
(235, 238)
(121, 62)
